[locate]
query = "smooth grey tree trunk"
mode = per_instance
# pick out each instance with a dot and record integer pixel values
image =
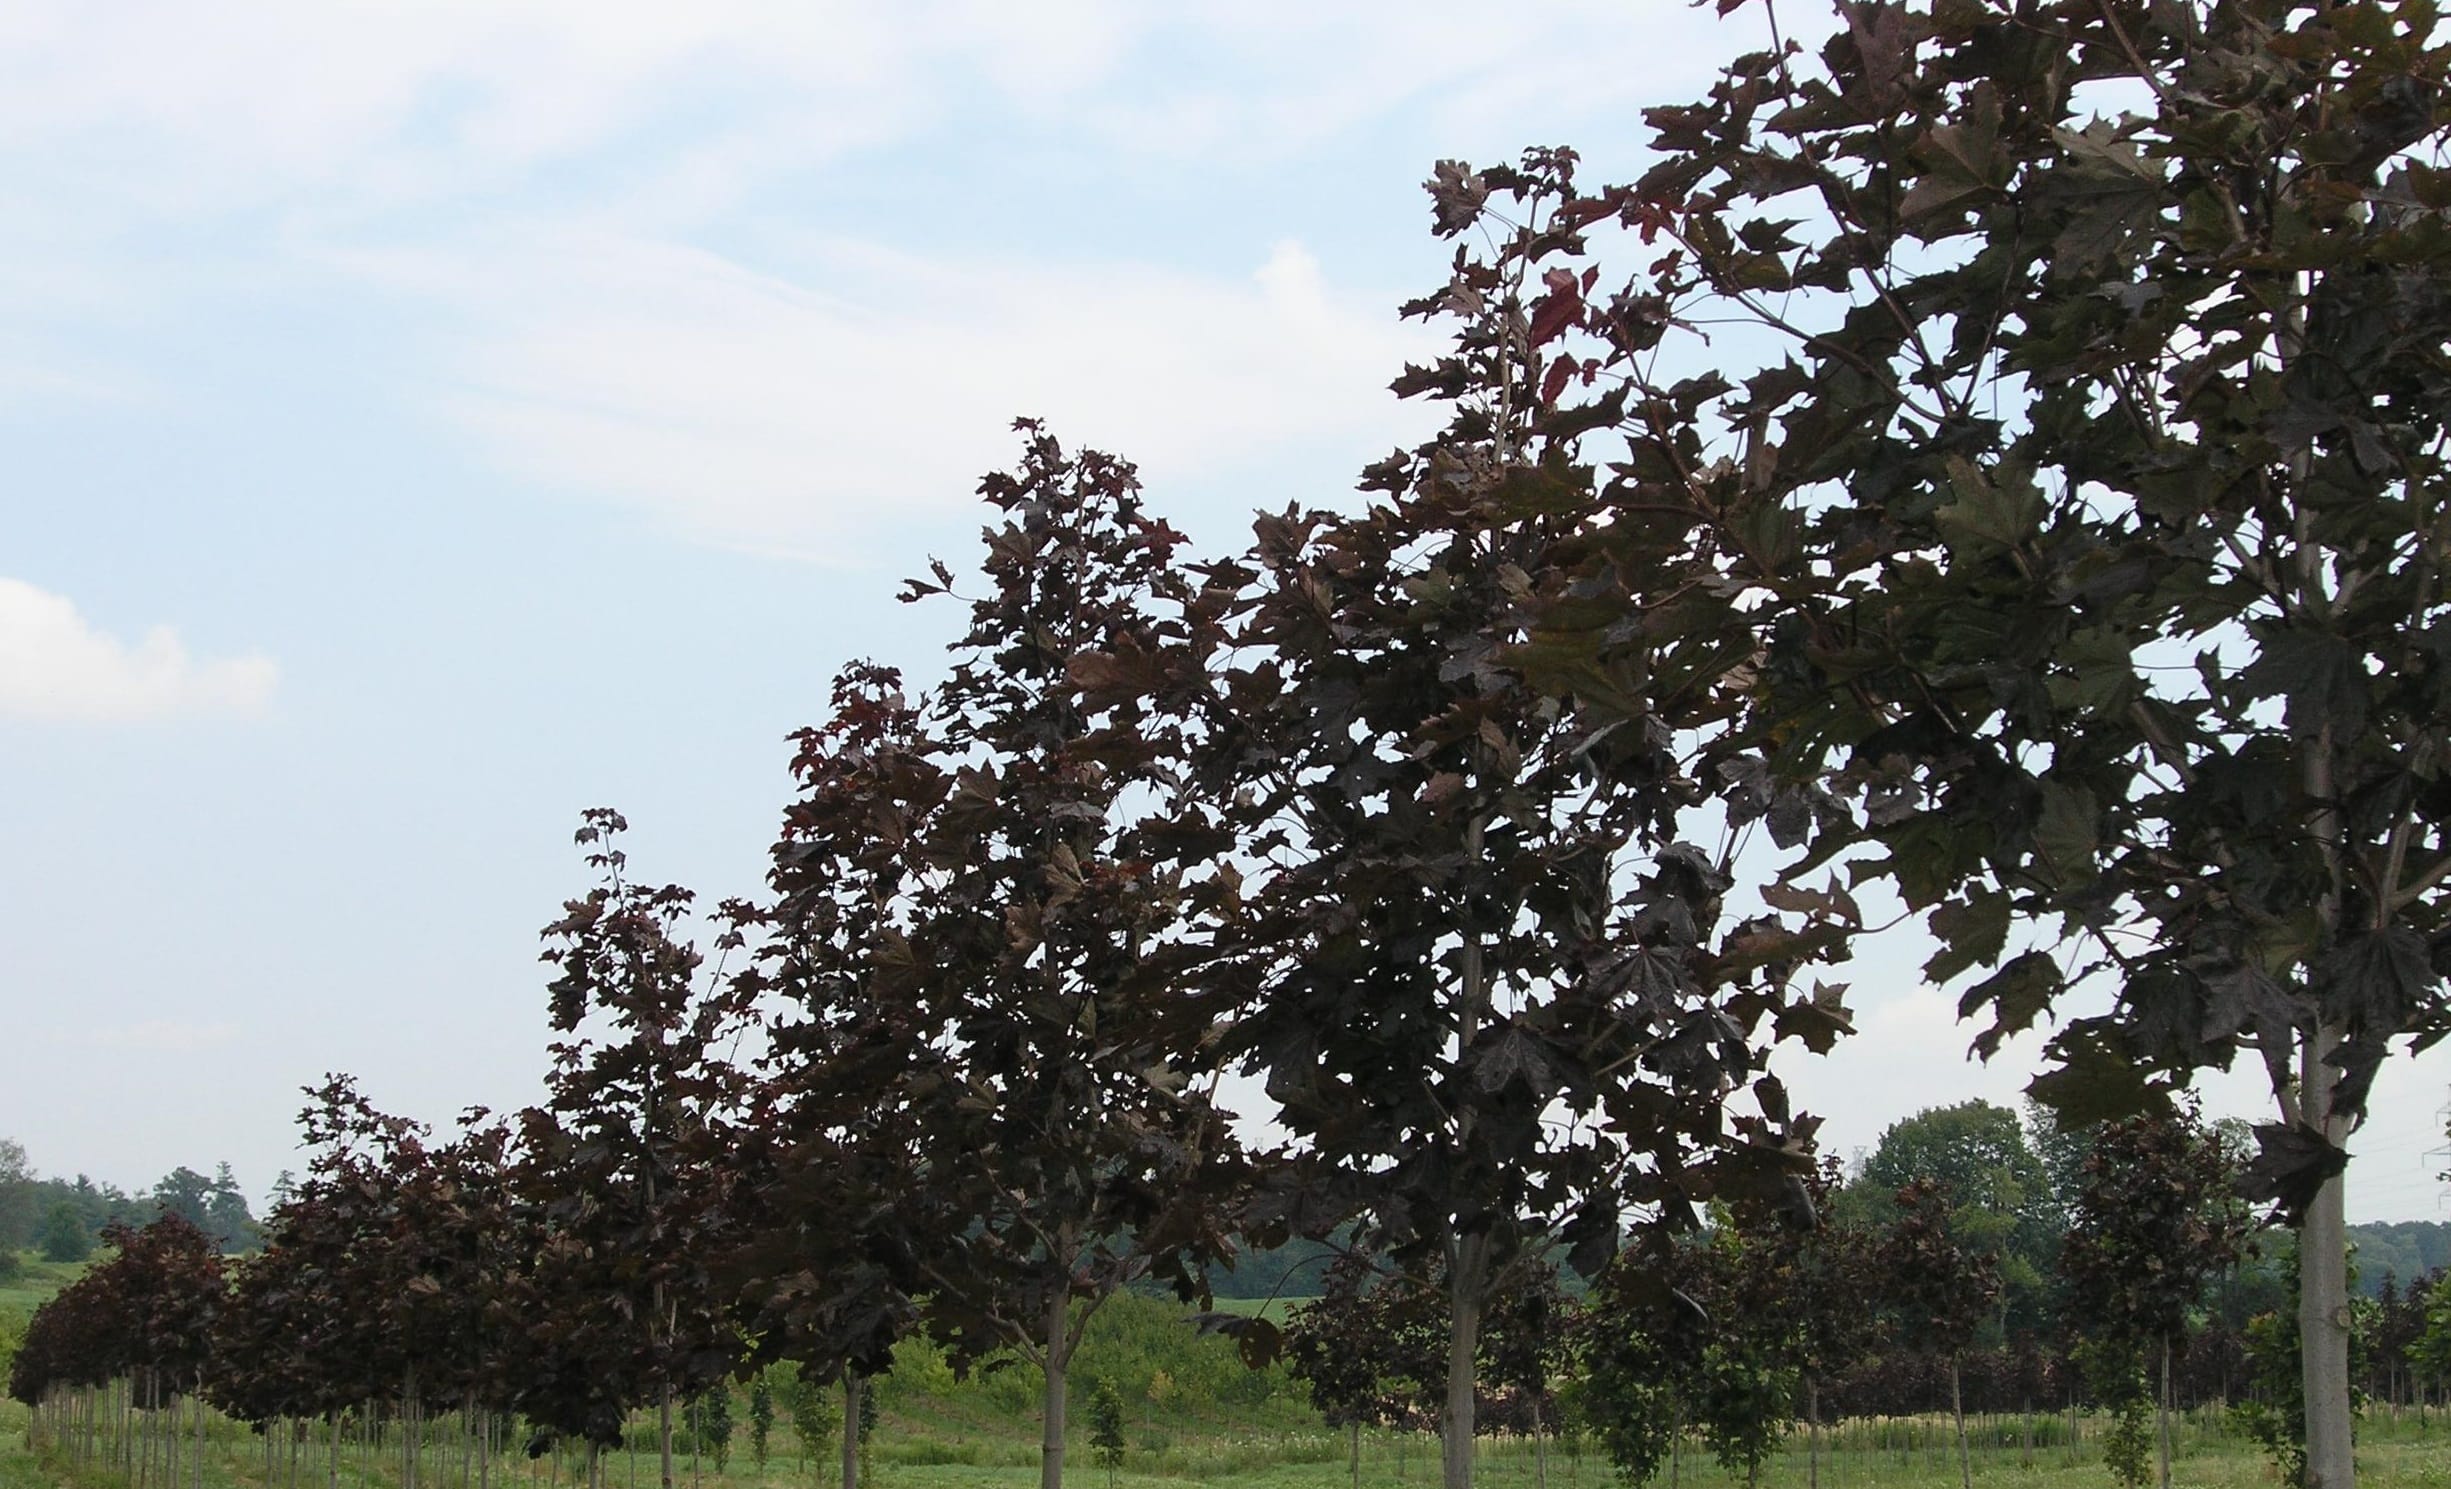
(1467, 1256)
(1466, 1279)
(2323, 1291)
(1051, 1433)
(1957, 1408)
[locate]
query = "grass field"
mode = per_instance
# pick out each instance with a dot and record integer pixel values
(1276, 1308)
(933, 1444)
(35, 1281)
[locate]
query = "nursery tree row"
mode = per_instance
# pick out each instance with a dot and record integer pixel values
(1983, 470)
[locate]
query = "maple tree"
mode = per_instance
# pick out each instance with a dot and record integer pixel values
(981, 908)
(1940, 1287)
(1497, 993)
(624, 1160)
(2156, 1218)
(2070, 479)
(145, 1316)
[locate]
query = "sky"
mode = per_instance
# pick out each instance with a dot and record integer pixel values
(425, 421)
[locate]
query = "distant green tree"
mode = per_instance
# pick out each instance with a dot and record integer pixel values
(1106, 1425)
(184, 1192)
(65, 1237)
(761, 1419)
(17, 1182)
(814, 1418)
(226, 1216)
(2002, 1195)
(710, 1424)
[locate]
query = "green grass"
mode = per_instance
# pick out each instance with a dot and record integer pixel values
(1277, 1308)
(36, 1282)
(947, 1445)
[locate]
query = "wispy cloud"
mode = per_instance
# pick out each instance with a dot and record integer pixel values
(782, 412)
(218, 108)
(55, 666)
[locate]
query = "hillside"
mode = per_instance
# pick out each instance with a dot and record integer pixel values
(2406, 1249)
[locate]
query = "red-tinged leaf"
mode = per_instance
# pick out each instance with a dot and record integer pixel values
(1554, 312)
(1552, 383)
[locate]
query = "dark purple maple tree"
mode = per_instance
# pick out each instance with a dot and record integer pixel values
(981, 900)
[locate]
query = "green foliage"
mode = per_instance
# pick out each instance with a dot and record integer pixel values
(1745, 1400)
(2275, 1417)
(65, 1236)
(215, 1206)
(707, 1418)
(19, 1196)
(2003, 1201)
(761, 1418)
(815, 1417)
(1634, 1391)
(1106, 1425)
(2115, 1371)
(1135, 1342)
(2406, 1249)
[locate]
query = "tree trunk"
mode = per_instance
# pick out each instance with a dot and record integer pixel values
(2323, 1290)
(1812, 1433)
(1467, 1289)
(663, 1431)
(1356, 1454)
(851, 1428)
(1957, 1409)
(1051, 1427)
(2163, 1408)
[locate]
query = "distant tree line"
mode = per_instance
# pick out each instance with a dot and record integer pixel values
(1970, 1264)
(63, 1219)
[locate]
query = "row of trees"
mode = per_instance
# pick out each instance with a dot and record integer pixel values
(1741, 1330)
(2053, 549)
(63, 1218)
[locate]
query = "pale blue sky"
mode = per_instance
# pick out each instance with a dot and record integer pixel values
(424, 421)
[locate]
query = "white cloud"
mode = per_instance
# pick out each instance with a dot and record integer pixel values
(323, 106)
(54, 666)
(754, 409)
